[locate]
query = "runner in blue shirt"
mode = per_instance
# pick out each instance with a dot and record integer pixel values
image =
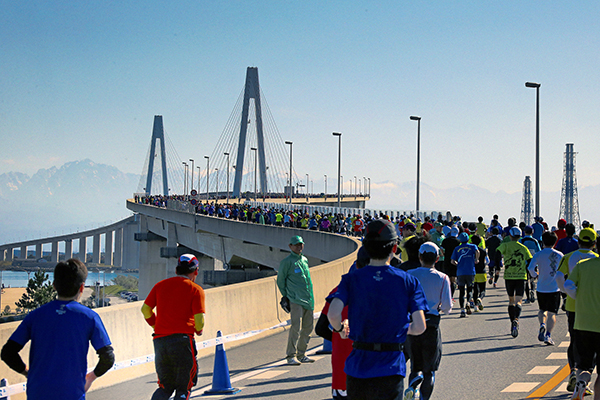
(381, 300)
(60, 333)
(465, 257)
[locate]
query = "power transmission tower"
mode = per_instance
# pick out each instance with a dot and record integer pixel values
(569, 202)
(526, 203)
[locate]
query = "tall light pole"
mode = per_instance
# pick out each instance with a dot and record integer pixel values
(290, 143)
(369, 186)
(355, 187)
(184, 177)
(217, 169)
(325, 185)
(418, 119)
(254, 149)
(342, 179)
(227, 154)
(207, 176)
(339, 135)
(192, 176)
(198, 177)
(537, 144)
(364, 186)
(307, 181)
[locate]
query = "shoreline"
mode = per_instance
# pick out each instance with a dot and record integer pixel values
(11, 295)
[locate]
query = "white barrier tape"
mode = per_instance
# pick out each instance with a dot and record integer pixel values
(21, 387)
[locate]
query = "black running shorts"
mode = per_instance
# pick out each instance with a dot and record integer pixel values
(588, 350)
(515, 287)
(425, 350)
(549, 301)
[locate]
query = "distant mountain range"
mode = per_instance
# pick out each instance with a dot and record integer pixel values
(82, 195)
(79, 195)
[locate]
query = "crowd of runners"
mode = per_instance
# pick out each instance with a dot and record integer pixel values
(536, 261)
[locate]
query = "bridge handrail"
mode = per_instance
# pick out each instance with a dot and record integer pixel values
(69, 236)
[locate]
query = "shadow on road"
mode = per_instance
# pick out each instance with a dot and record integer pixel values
(494, 350)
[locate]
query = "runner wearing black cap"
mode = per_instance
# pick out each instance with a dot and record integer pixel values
(376, 296)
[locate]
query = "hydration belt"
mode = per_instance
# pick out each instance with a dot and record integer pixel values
(378, 346)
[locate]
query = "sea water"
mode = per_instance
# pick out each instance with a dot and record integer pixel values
(20, 278)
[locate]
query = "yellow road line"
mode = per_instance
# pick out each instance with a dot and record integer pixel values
(551, 383)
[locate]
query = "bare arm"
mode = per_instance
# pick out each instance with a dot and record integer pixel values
(335, 314)
(418, 325)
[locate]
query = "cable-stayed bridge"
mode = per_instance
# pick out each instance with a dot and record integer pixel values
(250, 158)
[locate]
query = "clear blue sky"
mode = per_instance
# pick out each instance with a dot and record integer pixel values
(84, 80)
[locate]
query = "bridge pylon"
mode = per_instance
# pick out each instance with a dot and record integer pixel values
(251, 91)
(158, 134)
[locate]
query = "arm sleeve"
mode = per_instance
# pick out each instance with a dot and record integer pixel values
(446, 297)
(148, 307)
(149, 315)
(532, 265)
(571, 283)
(281, 277)
(106, 360)
(10, 355)
(571, 288)
(199, 322)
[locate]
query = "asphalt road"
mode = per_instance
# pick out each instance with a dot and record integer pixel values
(481, 360)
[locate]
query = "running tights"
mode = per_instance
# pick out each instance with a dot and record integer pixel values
(461, 294)
(479, 290)
(514, 312)
(427, 385)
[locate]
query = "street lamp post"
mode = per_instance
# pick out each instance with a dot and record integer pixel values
(325, 185)
(227, 154)
(365, 186)
(198, 167)
(537, 144)
(369, 186)
(339, 135)
(254, 149)
(192, 176)
(342, 179)
(418, 119)
(290, 185)
(207, 176)
(307, 181)
(184, 177)
(217, 169)
(355, 187)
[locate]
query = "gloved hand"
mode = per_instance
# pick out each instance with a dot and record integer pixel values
(285, 304)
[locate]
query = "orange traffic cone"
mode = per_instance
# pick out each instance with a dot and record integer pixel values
(221, 383)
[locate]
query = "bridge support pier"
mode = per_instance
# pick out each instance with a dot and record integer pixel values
(68, 249)
(96, 249)
(118, 256)
(108, 248)
(152, 266)
(54, 252)
(82, 249)
(131, 249)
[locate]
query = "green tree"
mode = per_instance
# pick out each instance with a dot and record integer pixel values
(127, 282)
(38, 293)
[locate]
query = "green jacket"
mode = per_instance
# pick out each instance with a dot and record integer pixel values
(293, 280)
